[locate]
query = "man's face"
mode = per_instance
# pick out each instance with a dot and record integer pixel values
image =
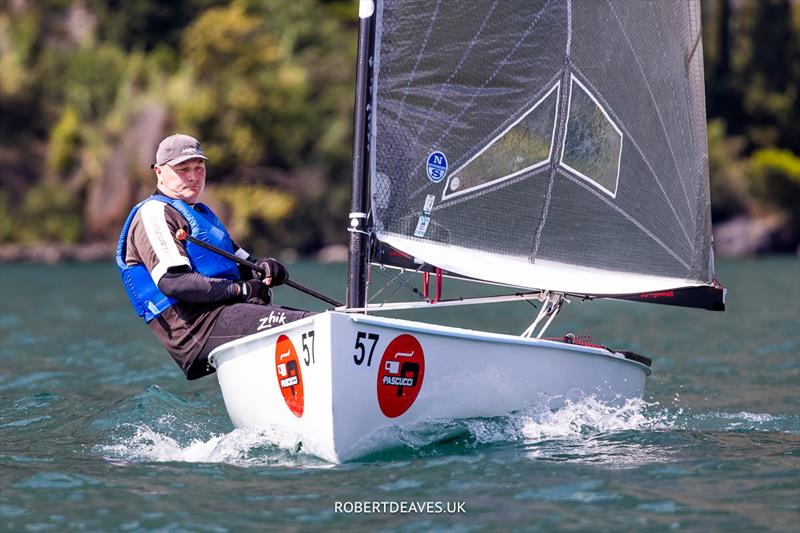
(184, 181)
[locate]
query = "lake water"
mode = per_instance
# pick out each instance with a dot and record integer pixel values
(100, 432)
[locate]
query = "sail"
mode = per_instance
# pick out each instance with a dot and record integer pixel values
(544, 144)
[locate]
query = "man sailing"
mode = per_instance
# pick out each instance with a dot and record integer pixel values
(193, 299)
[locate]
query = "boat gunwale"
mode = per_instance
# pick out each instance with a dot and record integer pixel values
(430, 329)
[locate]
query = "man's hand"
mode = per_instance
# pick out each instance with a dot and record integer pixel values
(254, 291)
(276, 273)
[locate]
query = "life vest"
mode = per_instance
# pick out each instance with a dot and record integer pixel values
(146, 298)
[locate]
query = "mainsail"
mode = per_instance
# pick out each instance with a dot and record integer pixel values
(545, 144)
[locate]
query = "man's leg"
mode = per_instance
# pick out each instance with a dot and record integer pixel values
(238, 320)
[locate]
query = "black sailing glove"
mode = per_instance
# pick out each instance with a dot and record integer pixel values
(253, 291)
(273, 268)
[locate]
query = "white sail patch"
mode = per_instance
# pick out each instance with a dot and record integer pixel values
(526, 144)
(428, 207)
(422, 226)
(592, 146)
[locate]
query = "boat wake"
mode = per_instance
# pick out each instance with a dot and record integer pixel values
(582, 431)
(158, 426)
(240, 447)
(165, 438)
(585, 430)
(593, 432)
(744, 422)
(578, 419)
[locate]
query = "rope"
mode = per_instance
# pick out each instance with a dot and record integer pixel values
(396, 279)
(580, 340)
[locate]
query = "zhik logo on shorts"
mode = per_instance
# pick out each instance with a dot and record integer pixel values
(273, 319)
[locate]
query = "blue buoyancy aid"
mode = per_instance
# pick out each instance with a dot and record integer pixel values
(147, 299)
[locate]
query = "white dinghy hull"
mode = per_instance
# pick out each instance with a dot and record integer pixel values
(342, 383)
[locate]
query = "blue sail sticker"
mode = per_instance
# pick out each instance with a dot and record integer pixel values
(437, 166)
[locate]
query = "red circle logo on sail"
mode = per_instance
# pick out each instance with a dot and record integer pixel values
(400, 375)
(290, 380)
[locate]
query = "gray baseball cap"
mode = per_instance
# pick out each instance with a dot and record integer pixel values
(177, 149)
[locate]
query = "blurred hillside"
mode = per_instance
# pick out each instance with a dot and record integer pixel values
(89, 87)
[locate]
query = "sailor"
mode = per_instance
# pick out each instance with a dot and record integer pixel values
(193, 299)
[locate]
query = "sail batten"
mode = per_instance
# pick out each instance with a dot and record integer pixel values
(560, 142)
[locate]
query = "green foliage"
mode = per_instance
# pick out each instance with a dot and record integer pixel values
(268, 88)
(262, 77)
(753, 68)
(216, 40)
(92, 78)
(752, 59)
(64, 142)
(50, 213)
(250, 207)
(730, 185)
(7, 229)
(264, 85)
(146, 24)
(16, 44)
(776, 179)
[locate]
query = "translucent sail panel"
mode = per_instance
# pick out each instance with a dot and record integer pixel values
(592, 143)
(524, 146)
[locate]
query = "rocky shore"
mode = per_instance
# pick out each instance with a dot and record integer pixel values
(744, 236)
(57, 253)
(104, 252)
(738, 237)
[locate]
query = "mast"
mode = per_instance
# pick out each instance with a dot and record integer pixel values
(357, 264)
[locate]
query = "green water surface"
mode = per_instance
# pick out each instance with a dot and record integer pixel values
(100, 432)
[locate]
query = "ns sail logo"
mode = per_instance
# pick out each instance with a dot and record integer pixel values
(436, 166)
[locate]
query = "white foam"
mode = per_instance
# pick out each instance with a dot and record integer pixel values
(747, 417)
(582, 431)
(245, 447)
(583, 417)
(744, 421)
(589, 416)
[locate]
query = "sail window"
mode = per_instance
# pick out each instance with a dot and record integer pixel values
(523, 146)
(592, 143)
